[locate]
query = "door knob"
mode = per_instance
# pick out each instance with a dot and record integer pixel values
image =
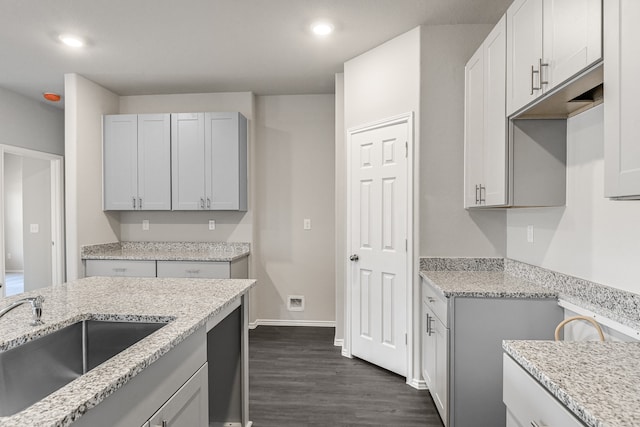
(354, 257)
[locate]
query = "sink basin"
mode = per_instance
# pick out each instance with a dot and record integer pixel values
(36, 369)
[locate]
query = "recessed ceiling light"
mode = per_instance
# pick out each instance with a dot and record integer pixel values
(322, 29)
(71, 40)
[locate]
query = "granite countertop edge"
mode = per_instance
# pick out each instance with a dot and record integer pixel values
(69, 403)
(552, 387)
(477, 291)
(167, 251)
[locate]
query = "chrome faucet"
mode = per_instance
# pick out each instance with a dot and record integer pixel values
(36, 305)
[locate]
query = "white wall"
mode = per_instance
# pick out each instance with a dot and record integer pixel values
(36, 199)
(30, 124)
(13, 239)
(86, 223)
(294, 169)
(191, 226)
(592, 237)
(446, 228)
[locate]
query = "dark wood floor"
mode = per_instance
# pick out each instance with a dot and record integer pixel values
(297, 377)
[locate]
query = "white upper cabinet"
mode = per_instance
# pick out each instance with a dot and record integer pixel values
(524, 52)
(548, 42)
(622, 89)
(226, 151)
(188, 161)
(137, 162)
(209, 152)
(485, 122)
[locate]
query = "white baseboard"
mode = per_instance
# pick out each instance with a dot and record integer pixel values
(338, 342)
(418, 384)
(345, 353)
(282, 322)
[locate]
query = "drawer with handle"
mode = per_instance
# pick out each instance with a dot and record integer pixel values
(120, 268)
(194, 269)
(435, 301)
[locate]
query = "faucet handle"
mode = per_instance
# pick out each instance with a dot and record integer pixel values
(36, 304)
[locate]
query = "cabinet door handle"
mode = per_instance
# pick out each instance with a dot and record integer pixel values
(477, 198)
(540, 65)
(134, 202)
(429, 325)
(193, 271)
(482, 198)
(140, 202)
(533, 87)
(119, 270)
(201, 203)
(208, 203)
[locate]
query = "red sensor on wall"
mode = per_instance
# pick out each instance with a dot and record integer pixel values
(50, 96)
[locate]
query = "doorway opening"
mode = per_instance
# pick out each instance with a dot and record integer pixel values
(31, 245)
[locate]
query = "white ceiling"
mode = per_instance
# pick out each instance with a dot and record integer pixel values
(141, 47)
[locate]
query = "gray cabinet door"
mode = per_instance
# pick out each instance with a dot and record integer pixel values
(188, 161)
(226, 155)
(189, 406)
(154, 162)
(120, 156)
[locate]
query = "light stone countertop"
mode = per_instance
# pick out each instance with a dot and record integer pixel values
(598, 381)
(102, 298)
(484, 284)
(167, 251)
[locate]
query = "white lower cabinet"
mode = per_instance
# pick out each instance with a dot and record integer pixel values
(237, 269)
(462, 349)
(435, 351)
(187, 407)
(530, 404)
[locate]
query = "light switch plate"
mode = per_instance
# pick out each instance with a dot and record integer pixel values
(307, 224)
(34, 228)
(212, 224)
(145, 224)
(529, 233)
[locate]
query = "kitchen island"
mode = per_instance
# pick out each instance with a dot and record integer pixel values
(191, 307)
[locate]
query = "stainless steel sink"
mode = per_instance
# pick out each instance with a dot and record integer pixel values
(36, 369)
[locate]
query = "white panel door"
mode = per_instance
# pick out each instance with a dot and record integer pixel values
(187, 161)
(120, 162)
(154, 162)
(378, 235)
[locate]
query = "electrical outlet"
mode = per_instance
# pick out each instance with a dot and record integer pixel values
(145, 224)
(212, 224)
(529, 233)
(295, 303)
(307, 224)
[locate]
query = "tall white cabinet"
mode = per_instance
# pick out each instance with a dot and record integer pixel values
(622, 89)
(209, 161)
(486, 123)
(548, 42)
(137, 162)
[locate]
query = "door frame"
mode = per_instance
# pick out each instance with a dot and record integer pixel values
(407, 118)
(57, 210)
